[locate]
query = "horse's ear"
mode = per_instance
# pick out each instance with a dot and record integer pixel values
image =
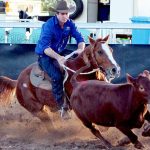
(106, 38)
(91, 40)
(130, 79)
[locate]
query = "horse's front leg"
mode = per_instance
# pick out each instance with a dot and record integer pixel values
(146, 126)
(133, 138)
(45, 116)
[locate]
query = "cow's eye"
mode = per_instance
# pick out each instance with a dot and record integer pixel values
(141, 88)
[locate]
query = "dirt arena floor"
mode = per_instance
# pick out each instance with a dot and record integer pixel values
(19, 130)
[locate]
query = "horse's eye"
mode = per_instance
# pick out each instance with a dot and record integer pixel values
(100, 52)
(141, 88)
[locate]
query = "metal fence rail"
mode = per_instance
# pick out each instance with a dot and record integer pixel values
(108, 25)
(97, 29)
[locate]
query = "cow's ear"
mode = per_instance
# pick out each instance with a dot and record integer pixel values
(130, 79)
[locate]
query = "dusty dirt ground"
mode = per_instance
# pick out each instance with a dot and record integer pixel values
(19, 130)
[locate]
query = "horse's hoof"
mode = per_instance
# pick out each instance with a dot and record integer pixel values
(124, 141)
(138, 145)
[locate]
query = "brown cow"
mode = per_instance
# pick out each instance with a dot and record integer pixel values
(123, 106)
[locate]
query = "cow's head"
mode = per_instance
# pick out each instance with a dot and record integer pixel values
(141, 84)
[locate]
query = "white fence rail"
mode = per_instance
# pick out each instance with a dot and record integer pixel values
(107, 25)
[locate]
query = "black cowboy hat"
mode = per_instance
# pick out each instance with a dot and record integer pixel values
(62, 7)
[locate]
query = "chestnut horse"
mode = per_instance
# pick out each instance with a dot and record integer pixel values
(35, 99)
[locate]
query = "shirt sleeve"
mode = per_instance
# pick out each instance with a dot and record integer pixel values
(76, 34)
(45, 37)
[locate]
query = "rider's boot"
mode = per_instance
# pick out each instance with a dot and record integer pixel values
(64, 111)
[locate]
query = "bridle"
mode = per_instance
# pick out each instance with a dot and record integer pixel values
(83, 73)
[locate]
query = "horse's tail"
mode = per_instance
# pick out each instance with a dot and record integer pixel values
(7, 90)
(73, 80)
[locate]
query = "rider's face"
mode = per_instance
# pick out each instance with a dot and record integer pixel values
(63, 17)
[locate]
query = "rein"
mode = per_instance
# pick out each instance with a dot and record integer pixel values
(73, 71)
(67, 68)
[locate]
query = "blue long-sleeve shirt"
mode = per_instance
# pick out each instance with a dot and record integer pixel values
(53, 36)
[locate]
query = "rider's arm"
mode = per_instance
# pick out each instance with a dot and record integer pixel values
(51, 53)
(81, 47)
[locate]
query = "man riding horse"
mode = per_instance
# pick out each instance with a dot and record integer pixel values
(54, 37)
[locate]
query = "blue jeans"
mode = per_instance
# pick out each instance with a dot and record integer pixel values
(52, 68)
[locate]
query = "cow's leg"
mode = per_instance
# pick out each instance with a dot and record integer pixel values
(146, 128)
(75, 106)
(147, 116)
(124, 141)
(96, 133)
(131, 136)
(75, 103)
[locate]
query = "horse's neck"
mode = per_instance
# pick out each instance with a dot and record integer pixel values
(75, 63)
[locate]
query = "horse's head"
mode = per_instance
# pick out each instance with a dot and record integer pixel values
(100, 55)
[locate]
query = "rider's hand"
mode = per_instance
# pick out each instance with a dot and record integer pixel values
(61, 60)
(78, 51)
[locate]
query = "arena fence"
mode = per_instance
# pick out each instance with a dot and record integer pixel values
(132, 59)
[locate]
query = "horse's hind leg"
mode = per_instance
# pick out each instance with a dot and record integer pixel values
(27, 99)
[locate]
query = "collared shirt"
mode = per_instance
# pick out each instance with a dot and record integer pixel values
(55, 37)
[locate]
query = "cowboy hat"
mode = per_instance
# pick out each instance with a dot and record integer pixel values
(62, 7)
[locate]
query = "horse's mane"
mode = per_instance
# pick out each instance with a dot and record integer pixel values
(7, 90)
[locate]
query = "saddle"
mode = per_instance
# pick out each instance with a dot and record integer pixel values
(39, 78)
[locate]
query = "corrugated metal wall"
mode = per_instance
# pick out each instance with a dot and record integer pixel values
(132, 59)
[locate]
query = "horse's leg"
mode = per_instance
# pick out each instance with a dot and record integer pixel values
(27, 99)
(45, 116)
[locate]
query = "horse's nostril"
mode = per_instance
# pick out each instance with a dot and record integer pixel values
(114, 70)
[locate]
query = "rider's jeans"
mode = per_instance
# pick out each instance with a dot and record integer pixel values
(51, 67)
